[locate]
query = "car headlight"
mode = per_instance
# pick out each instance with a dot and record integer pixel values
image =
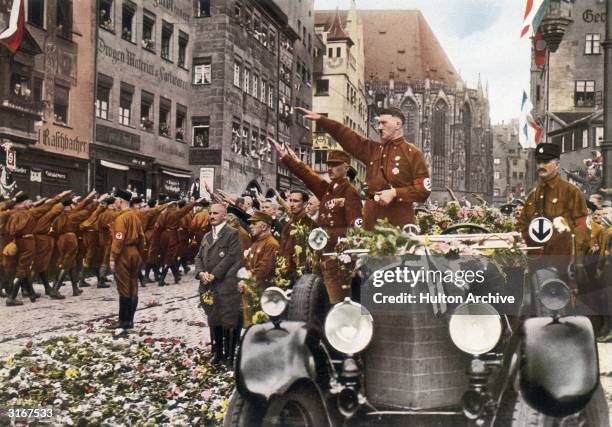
(475, 328)
(349, 327)
(554, 294)
(274, 301)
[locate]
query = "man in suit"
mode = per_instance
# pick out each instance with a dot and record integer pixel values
(216, 266)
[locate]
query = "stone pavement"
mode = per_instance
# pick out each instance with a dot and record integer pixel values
(170, 311)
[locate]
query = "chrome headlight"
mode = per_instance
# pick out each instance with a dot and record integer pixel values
(554, 294)
(274, 301)
(475, 328)
(349, 327)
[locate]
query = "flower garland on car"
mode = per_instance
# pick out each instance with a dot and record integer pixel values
(439, 219)
(101, 379)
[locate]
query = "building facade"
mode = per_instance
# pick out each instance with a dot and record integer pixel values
(567, 85)
(339, 90)
(405, 67)
(512, 177)
(47, 97)
(143, 89)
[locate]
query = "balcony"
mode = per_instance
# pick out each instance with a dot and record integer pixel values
(23, 104)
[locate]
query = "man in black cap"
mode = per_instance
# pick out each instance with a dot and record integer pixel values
(559, 201)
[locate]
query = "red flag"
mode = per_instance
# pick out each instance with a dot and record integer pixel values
(12, 36)
(539, 47)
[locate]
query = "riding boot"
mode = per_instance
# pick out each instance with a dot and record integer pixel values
(27, 284)
(226, 344)
(176, 273)
(75, 283)
(162, 278)
(45, 282)
(54, 294)
(185, 265)
(156, 273)
(82, 282)
(147, 273)
(124, 313)
(4, 288)
(217, 340)
(141, 279)
(234, 340)
(133, 306)
(12, 300)
(103, 271)
(101, 284)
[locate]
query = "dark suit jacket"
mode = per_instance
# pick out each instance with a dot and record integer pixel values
(221, 258)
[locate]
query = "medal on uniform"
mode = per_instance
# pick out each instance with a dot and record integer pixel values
(397, 158)
(555, 200)
(221, 254)
(395, 171)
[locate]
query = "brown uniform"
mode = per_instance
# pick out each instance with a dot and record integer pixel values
(168, 224)
(340, 207)
(148, 218)
(288, 242)
(551, 199)
(105, 222)
(91, 238)
(259, 259)
(8, 263)
(396, 164)
(45, 243)
(199, 227)
(128, 243)
(65, 227)
(183, 235)
(21, 226)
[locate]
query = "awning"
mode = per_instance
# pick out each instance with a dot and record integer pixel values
(112, 165)
(176, 175)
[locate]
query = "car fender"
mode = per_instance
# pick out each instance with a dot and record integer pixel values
(271, 359)
(559, 369)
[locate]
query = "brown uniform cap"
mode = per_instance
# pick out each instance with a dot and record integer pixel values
(260, 216)
(338, 156)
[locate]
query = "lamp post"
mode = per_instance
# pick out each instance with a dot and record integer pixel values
(606, 145)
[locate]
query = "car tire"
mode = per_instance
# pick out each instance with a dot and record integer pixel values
(242, 413)
(308, 301)
(594, 415)
(299, 407)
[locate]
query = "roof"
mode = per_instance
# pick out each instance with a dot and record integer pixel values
(571, 117)
(398, 42)
(579, 120)
(336, 30)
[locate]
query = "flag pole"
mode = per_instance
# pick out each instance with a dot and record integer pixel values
(606, 145)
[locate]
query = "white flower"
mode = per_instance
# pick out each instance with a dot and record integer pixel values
(560, 224)
(345, 258)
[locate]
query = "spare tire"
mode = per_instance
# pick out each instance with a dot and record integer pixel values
(309, 302)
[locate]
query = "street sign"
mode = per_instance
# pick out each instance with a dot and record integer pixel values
(540, 229)
(11, 159)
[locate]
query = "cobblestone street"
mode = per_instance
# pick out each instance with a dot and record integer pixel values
(170, 311)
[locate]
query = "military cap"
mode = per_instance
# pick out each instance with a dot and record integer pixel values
(109, 200)
(21, 198)
(204, 203)
(518, 202)
(163, 197)
(67, 202)
(136, 200)
(182, 203)
(260, 216)
(547, 151)
(122, 194)
(338, 156)
(591, 206)
(151, 203)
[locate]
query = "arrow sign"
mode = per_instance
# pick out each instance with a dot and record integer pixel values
(540, 230)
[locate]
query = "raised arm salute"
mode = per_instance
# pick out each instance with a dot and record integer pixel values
(396, 174)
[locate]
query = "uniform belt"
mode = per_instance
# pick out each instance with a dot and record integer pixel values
(26, 236)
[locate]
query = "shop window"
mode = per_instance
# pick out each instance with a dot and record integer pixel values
(102, 101)
(182, 49)
(203, 8)
(592, 44)
(166, 42)
(127, 21)
(584, 94)
(181, 114)
(202, 71)
(201, 132)
(60, 104)
(148, 31)
(36, 12)
(125, 104)
(146, 111)
(64, 18)
(105, 15)
(164, 117)
(322, 88)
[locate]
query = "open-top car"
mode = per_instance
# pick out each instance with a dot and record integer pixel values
(451, 360)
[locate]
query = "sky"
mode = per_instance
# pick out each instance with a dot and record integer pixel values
(478, 36)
